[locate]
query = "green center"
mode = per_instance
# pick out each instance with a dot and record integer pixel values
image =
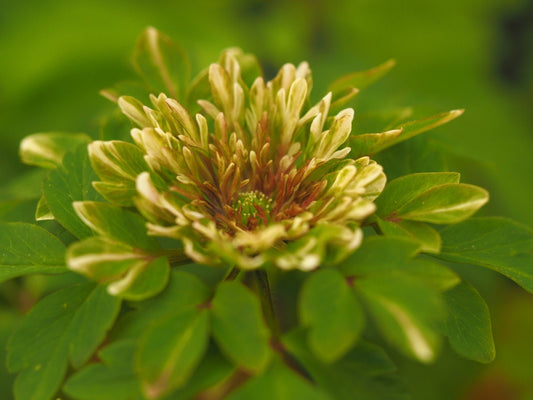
(249, 202)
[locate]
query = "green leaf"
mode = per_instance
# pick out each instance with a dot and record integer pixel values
(330, 310)
(279, 383)
(445, 204)
(183, 291)
(42, 212)
(428, 238)
(468, 324)
(361, 79)
(112, 379)
(130, 272)
(161, 63)
(170, 351)
(414, 128)
(401, 191)
(213, 370)
(29, 249)
(117, 164)
(432, 274)
(67, 184)
(238, 326)
(368, 144)
(366, 372)
(380, 254)
(389, 256)
(46, 150)
(68, 324)
(496, 243)
(116, 223)
(405, 311)
(199, 89)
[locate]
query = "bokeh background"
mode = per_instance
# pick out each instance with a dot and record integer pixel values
(56, 55)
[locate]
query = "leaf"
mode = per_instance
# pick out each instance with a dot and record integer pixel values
(445, 204)
(361, 79)
(183, 291)
(414, 128)
(428, 238)
(238, 326)
(405, 311)
(46, 150)
(68, 324)
(119, 89)
(496, 243)
(468, 325)
(368, 144)
(279, 383)
(366, 372)
(332, 313)
(130, 272)
(29, 249)
(212, 371)
(401, 191)
(432, 274)
(161, 63)
(380, 254)
(170, 351)
(112, 379)
(390, 256)
(117, 164)
(42, 212)
(69, 183)
(116, 223)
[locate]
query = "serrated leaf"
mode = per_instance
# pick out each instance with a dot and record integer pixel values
(117, 164)
(429, 238)
(46, 150)
(279, 383)
(130, 272)
(161, 63)
(496, 243)
(116, 223)
(401, 191)
(112, 379)
(332, 313)
(366, 372)
(29, 249)
(170, 351)
(69, 183)
(238, 326)
(445, 204)
(405, 311)
(68, 324)
(468, 325)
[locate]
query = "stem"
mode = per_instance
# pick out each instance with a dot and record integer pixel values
(232, 274)
(263, 288)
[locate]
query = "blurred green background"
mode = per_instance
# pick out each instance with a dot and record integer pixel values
(475, 54)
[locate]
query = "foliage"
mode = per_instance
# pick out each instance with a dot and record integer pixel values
(157, 325)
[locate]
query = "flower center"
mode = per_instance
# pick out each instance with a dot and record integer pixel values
(251, 208)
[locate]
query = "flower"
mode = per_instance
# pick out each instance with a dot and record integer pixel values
(257, 176)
